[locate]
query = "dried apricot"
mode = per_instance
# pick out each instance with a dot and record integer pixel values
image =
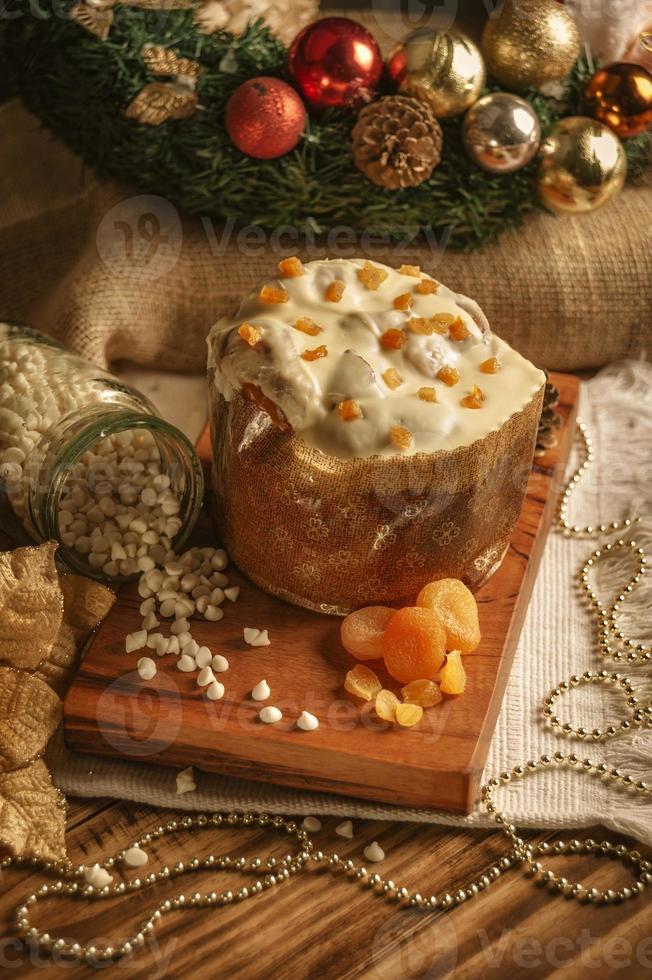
(361, 631)
(427, 286)
(458, 329)
(453, 675)
(474, 399)
(425, 326)
(408, 715)
(490, 366)
(393, 339)
(335, 291)
(250, 333)
(449, 375)
(424, 692)
(291, 267)
(403, 302)
(392, 378)
(307, 325)
(273, 294)
(349, 410)
(386, 705)
(371, 276)
(410, 270)
(362, 682)
(427, 394)
(315, 353)
(456, 608)
(413, 644)
(401, 437)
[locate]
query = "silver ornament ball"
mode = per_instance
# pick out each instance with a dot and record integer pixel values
(501, 133)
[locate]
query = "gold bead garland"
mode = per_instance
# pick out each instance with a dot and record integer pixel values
(70, 881)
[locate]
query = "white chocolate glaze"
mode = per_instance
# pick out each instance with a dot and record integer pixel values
(308, 391)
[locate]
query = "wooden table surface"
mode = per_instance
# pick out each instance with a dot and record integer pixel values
(321, 926)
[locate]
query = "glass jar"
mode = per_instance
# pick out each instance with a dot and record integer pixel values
(60, 416)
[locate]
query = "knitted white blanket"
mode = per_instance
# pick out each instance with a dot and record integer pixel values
(558, 640)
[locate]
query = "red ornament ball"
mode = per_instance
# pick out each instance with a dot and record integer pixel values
(335, 62)
(265, 118)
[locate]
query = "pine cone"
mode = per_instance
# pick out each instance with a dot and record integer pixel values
(397, 142)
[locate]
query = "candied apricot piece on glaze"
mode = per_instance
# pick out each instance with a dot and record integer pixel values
(349, 410)
(371, 275)
(458, 329)
(315, 353)
(474, 399)
(413, 644)
(427, 394)
(427, 286)
(424, 326)
(362, 682)
(386, 705)
(401, 437)
(250, 333)
(361, 631)
(393, 339)
(392, 378)
(408, 715)
(273, 294)
(291, 267)
(403, 302)
(457, 610)
(449, 375)
(335, 291)
(453, 675)
(307, 325)
(423, 692)
(410, 270)
(490, 366)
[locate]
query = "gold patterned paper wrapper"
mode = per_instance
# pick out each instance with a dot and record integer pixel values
(334, 535)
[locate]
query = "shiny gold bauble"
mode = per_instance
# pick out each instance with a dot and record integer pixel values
(583, 165)
(529, 43)
(443, 68)
(621, 96)
(501, 132)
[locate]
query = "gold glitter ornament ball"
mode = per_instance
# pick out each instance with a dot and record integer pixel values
(445, 69)
(583, 165)
(529, 43)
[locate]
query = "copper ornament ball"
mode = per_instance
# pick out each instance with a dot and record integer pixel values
(441, 67)
(583, 165)
(265, 118)
(501, 133)
(335, 62)
(527, 43)
(620, 95)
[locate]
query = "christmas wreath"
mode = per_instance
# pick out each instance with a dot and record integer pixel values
(236, 127)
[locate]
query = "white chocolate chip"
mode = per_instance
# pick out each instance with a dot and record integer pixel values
(97, 876)
(203, 657)
(186, 781)
(213, 613)
(312, 824)
(307, 722)
(345, 829)
(205, 677)
(135, 641)
(270, 715)
(146, 668)
(134, 857)
(215, 691)
(262, 640)
(232, 593)
(186, 663)
(220, 663)
(261, 691)
(250, 634)
(374, 852)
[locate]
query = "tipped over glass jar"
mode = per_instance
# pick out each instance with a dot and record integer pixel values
(86, 460)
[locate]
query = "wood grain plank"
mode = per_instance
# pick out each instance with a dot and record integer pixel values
(110, 711)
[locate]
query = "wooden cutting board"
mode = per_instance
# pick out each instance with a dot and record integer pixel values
(109, 710)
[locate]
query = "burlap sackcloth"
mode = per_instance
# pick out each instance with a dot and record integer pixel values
(116, 274)
(557, 641)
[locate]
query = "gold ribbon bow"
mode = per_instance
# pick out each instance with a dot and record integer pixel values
(159, 101)
(44, 621)
(96, 16)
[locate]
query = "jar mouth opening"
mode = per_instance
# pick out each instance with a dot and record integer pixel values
(178, 460)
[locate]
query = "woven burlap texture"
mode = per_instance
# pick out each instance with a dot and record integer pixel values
(116, 274)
